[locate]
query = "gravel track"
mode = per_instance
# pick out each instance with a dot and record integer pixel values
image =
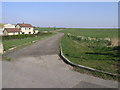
(39, 66)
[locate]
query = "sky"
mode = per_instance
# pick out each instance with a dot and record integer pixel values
(62, 14)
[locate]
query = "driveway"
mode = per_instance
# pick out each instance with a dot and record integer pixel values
(39, 66)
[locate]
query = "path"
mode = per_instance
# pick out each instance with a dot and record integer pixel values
(39, 66)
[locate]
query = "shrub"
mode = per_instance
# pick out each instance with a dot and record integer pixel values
(90, 41)
(22, 36)
(11, 37)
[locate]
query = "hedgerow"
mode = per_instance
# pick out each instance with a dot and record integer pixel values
(22, 36)
(90, 40)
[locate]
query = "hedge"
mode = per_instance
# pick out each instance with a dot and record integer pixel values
(22, 36)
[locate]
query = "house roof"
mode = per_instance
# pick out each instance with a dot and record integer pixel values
(25, 25)
(12, 30)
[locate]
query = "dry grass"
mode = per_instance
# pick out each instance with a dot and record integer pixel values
(1, 25)
(114, 41)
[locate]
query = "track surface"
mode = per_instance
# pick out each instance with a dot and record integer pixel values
(39, 66)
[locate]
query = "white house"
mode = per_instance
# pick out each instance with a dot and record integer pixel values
(12, 31)
(25, 28)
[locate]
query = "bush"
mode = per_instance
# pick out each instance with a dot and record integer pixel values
(43, 33)
(11, 37)
(17, 36)
(22, 36)
(96, 42)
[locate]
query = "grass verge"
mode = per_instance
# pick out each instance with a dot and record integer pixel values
(96, 74)
(92, 54)
(7, 44)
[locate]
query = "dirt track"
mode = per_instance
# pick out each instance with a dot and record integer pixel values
(39, 66)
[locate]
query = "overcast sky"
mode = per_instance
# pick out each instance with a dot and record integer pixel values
(61, 14)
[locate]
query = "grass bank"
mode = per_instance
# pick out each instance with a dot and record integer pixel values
(7, 44)
(96, 52)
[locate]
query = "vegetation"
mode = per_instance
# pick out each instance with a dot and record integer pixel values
(96, 74)
(22, 36)
(1, 25)
(46, 28)
(98, 33)
(15, 41)
(92, 48)
(6, 58)
(11, 37)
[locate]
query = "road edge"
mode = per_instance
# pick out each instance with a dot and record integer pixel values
(66, 60)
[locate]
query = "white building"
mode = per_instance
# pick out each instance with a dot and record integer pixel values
(10, 29)
(25, 28)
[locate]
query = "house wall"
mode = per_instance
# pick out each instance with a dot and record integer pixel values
(11, 33)
(25, 30)
(36, 31)
(17, 26)
(5, 32)
(14, 33)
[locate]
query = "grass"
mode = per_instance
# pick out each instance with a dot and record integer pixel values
(96, 74)
(46, 28)
(91, 54)
(1, 25)
(7, 44)
(99, 33)
(6, 58)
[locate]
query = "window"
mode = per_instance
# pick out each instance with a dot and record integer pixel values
(22, 32)
(29, 32)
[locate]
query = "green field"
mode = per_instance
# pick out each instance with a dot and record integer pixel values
(46, 28)
(100, 33)
(96, 53)
(7, 44)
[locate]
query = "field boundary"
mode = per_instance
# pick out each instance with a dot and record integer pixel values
(66, 60)
(10, 49)
(31, 42)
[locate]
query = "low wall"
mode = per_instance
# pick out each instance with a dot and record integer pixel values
(81, 66)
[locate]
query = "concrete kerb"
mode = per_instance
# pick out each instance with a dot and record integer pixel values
(66, 60)
(10, 49)
(20, 46)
